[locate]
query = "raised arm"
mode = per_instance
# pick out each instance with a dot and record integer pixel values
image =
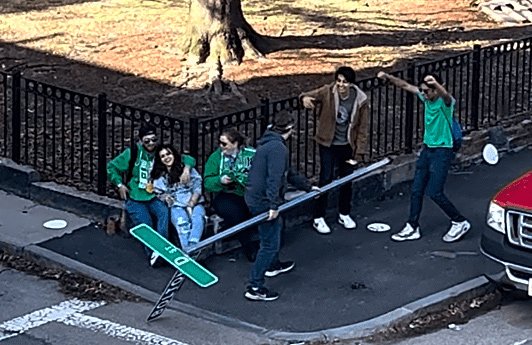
(442, 91)
(403, 84)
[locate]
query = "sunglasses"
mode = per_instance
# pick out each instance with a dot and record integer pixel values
(149, 140)
(222, 143)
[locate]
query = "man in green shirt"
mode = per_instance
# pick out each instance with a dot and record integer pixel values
(435, 158)
(130, 173)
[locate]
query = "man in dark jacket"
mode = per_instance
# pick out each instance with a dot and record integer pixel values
(265, 190)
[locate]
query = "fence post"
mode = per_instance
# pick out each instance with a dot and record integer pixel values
(102, 144)
(15, 117)
(475, 87)
(409, 108)
(264, 114)
(194, 137)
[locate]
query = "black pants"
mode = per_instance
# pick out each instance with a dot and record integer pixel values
(333, 164)
(234, 210)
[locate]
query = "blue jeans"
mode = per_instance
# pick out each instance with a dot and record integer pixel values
(189, 226)
(141, 212)
(432, 167)
(270, 243)
(332, 158)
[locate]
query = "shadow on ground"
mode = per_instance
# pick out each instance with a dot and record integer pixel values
(25, 5)
(178, 102)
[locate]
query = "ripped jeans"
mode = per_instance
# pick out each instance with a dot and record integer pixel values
(189, 226)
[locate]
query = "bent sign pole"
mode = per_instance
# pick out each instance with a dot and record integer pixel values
(185, 265)
(286, 206)
(171, 288)
(178, 279)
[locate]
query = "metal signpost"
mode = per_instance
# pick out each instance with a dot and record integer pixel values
(171, 288)
(291, 204)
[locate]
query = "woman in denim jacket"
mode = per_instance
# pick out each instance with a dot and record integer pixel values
(183, 197)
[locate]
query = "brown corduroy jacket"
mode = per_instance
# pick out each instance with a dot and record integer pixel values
(357, 135)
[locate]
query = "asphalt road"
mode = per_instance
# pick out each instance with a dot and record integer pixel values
(34, 312)
(340, 279)
(509, 325)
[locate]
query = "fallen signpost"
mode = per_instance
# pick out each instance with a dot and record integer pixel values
(186, 266)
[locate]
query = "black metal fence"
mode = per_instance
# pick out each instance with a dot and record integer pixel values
(69, 137)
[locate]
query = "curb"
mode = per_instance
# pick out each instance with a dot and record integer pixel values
(150, 296)
(363, 329)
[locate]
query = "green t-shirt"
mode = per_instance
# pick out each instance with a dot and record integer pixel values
(438, 119)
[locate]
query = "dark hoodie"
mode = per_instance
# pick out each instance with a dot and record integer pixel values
(269, 174)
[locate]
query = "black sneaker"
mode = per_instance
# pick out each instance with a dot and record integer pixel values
(279, 267)
(260, 294)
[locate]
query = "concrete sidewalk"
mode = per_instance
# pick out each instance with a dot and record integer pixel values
(345, 285)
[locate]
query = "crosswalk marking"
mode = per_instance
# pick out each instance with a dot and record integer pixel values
(19, 325)
(116, 330)
(70, 313)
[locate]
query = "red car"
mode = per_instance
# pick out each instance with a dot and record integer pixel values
(508, 238)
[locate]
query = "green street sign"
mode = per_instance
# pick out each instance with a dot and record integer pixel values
(197, 273)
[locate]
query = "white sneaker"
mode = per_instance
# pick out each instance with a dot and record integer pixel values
(457, 230)
(347, 221)
(320, 226)
(408, 233)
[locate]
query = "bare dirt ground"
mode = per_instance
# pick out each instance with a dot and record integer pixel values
(130, 49)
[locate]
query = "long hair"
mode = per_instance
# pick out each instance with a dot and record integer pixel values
(159, 169)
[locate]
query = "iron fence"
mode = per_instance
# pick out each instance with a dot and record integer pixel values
(4, 116)
(68, 136)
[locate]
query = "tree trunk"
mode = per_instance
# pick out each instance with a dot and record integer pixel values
(218, 32)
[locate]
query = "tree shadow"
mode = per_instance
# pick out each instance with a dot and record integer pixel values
(26, 6)
(152, 95)
(393, 39)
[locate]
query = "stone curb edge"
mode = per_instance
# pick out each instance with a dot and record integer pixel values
(364, 329)
(359, 330)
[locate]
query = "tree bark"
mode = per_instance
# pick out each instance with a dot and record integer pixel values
(218, 32)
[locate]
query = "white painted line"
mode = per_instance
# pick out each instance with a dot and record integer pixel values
(116, 330)
(19, 325)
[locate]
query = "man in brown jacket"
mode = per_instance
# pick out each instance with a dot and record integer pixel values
(342, 135)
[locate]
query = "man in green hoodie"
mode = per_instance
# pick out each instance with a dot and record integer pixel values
(131, 176)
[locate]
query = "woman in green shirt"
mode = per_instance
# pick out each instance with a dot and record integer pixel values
(226, 174)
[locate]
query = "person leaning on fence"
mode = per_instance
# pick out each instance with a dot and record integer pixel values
(183, 197)
(435, 158)
(225, 175)
(266, 186)
(341, 134)
(130, 173)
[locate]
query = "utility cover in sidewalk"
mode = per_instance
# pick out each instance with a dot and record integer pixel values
(55, 224)
(197, 273)
(508, 12)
